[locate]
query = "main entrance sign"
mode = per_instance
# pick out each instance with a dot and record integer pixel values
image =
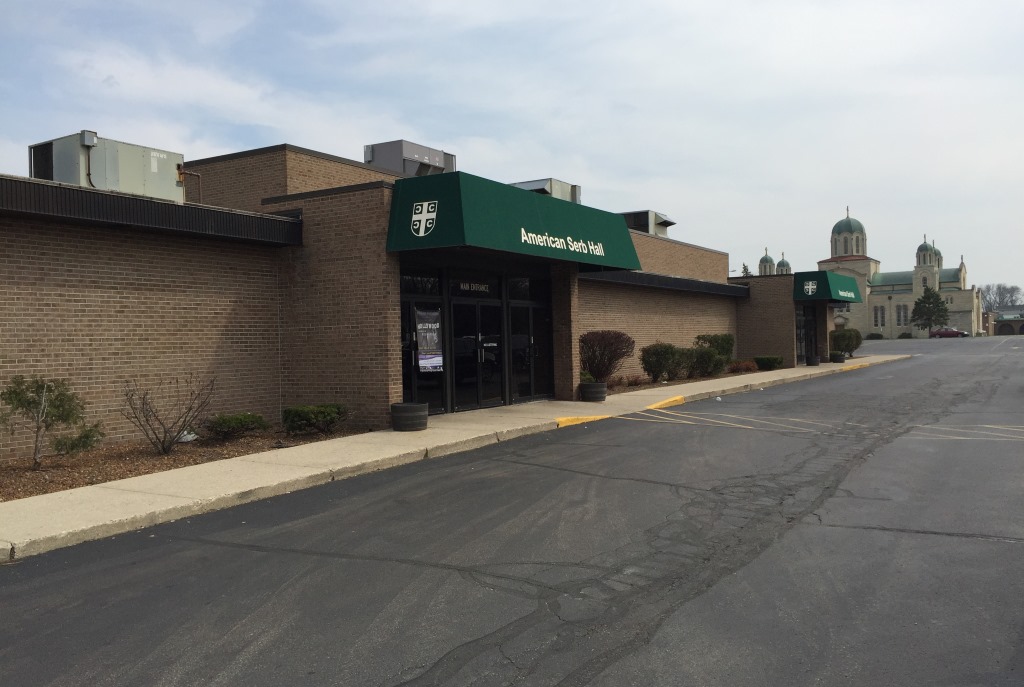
(829, 286)
(459, 209)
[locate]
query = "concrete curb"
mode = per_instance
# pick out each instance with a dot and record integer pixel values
(39, 524)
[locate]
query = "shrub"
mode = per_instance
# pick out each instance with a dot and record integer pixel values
(636, 380)
(738, 366)
(321, 418)
(182, 404)
(846, 340)
(682, 363)
(43, 405)
(722, 344)
(874, 336)
(903, 335)
(707, 363)
(83, 441)
(656, 359)
(586, 377)
(602, 352)
(225, 427)
(768, 362)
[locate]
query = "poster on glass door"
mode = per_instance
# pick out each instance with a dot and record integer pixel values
(429, 356)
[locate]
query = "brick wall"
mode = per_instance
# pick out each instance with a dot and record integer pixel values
(676, 259)
(767, 320)
(309, 172)
(101, 305)
(241, 181)
(651, 315)
(341, 326)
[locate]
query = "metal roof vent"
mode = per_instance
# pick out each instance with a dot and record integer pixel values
(554, 188)
(410, 159)
(649, 222)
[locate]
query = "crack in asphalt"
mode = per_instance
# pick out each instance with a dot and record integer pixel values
(936, 533)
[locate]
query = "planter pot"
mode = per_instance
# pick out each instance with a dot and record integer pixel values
(837, 357)
(593, 391)
(408, 417)
(813, 361)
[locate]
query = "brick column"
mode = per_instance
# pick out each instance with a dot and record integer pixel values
(566, 330)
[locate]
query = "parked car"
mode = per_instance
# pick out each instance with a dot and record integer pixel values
(946, 333)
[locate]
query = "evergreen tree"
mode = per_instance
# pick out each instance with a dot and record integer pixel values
(930, 310)
(746, 271)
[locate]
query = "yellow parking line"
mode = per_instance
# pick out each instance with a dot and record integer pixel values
(960, 430)
(568, 421)
(922, 435)
(674, 401)
(765, 420)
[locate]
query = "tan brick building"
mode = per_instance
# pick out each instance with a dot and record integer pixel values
(293, 276)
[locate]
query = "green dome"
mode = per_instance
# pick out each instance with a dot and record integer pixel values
(847, 225)
(766, 260)
(925, 248)
(783, 263)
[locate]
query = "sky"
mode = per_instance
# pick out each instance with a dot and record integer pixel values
(752, 124)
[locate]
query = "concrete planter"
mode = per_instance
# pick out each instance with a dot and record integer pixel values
(836, 357)
(813, 361)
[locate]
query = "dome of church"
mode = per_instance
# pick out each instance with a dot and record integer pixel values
(926, 248)
(766, 260)
(783, 264)
(847, 225)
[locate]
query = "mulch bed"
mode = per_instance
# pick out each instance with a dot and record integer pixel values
(118, 460)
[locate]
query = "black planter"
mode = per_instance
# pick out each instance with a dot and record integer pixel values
(408, 417)
(813, 361)
(837, 357)
(593, 391)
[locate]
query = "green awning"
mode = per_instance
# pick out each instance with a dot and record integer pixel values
(459, 209)
(817, 286)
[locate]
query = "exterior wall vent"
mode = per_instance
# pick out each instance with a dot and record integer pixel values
(649, 222)
(85, 159)
(410, 159)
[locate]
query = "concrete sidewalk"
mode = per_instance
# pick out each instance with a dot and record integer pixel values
(43, 523)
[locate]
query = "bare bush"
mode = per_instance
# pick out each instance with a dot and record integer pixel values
(182, 405)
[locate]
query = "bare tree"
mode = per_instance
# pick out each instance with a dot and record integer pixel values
(995, 296)
(182, 405)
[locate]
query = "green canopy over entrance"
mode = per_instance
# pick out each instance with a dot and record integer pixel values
(459, 209)
(817, 286)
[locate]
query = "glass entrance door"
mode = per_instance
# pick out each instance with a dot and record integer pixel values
(422, 357)
(478, 355)
(530, 352)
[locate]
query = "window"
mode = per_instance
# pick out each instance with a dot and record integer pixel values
(842, 307)
(857, 241)
(924, 282)
(902, 315)
(879, 318)
(846, 245)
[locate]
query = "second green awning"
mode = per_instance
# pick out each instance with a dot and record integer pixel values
(815, 286)
(459, 209)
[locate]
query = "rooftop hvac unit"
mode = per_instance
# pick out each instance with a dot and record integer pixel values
(85, 159)
(409, 159)
(554, 188)
(649, 222)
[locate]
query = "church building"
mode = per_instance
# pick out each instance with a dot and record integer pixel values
(889, 297)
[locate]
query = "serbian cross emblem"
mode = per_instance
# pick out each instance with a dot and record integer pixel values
(810, 287)
(423, 217)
